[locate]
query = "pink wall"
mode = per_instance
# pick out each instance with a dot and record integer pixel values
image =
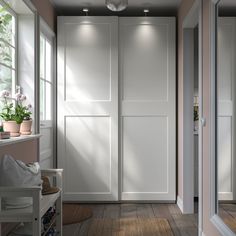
(46, 11)
(25, 151)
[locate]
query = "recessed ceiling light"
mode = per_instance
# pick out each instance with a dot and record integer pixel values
(85, 9)
(146, 11)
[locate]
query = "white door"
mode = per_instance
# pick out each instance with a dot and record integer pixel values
(226, 103)
(88, 107)
(148, 113)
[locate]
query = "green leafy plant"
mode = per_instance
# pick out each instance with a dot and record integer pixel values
(13, 108)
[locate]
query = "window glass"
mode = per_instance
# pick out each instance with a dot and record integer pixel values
(45, 79)
(6, 76)
(7, 49)
(42, 99)
(48, 96)
(7, 26)
(48, 68)
(7, 54)
(42, 56)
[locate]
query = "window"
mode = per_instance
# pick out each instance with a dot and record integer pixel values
(7, 48)
(46, 80)
(47, 116)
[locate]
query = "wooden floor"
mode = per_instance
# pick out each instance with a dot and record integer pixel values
(227, 212)
(181, 225)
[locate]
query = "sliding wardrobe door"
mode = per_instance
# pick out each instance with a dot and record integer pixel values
(88, 107)
(147, 73)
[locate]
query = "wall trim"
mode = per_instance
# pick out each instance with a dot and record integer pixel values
(221, 226)
(180, 203)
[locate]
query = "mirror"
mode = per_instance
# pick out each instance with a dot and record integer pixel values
(226, 112)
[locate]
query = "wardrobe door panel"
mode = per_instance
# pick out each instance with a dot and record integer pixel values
(88, 107)
(87, 46)
(144, 56)
(147, 73)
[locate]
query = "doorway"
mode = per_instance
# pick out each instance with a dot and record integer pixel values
(191, 108)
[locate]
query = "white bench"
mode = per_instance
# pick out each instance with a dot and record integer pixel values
(40, 205)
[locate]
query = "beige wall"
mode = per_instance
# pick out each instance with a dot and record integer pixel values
(46, 11)
(208, 227)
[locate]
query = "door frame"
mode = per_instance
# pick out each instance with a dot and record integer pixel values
(214, 218)
(186, 204)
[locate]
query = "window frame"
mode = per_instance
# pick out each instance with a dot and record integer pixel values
(14, 14)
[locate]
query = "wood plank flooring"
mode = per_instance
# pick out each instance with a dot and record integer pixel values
(227, 212)
(181, 225)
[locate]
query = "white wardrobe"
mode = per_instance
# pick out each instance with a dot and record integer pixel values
(117, 108)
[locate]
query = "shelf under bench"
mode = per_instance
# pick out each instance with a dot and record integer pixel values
(25, 214)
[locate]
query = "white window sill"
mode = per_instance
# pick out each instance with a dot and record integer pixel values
(19, 139)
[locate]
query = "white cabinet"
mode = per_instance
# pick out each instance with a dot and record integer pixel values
(94, 80)
(40, 205)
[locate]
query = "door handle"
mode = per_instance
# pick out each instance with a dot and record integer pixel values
(203, 121)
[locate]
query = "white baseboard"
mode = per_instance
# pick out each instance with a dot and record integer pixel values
(221, 226)
(180, 203)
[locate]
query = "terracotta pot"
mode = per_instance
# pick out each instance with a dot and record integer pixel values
(12, 127)
(25, 127)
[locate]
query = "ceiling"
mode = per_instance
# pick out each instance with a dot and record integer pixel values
(135, 7)
(19, 7)
(227, 3)
(227, 8)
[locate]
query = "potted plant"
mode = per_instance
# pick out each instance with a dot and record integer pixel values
(14, 113)
(25, 127)
(23, 112)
